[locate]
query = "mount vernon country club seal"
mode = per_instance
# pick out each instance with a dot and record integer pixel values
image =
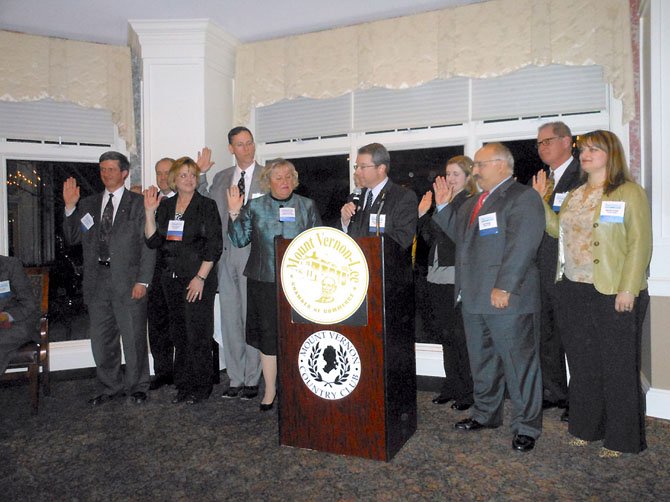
(324, 275)
(329, 365)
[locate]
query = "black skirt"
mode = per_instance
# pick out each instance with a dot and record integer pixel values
(261, 327)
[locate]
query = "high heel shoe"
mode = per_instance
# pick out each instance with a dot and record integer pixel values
(268, 407)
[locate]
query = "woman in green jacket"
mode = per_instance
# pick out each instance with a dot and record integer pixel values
(604, 232)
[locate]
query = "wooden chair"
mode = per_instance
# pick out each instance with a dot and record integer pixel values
(33, 355)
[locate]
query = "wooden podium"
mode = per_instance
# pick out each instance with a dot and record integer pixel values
(379, 415)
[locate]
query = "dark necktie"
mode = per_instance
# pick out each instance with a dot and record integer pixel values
(106, 229)
(240, 184)
(478, 206)
(551, 183)
(368, 200)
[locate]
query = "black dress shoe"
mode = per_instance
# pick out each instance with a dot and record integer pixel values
(249, 392)
(138, 397)
(193, 399)
(231, 392)
(104, 398)
(180, 397)
(440, 399)
(565, 416)
(522, 442)
(470, 424)
(461, 405)
(547, 405)
(160, 381)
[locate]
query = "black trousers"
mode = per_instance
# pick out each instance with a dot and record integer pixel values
(552, 353)
(446, 325)
(603, 348)
(192, 329)
(160, 337)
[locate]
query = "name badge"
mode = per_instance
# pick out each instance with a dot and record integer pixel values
(612, 211)
(175, 230)
(5, 290)
(286, 214)
(488, 224)
(86, 222)
(373, 223)
(257, 195)
(558, 201)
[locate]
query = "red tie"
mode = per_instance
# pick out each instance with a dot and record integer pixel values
(478, 206)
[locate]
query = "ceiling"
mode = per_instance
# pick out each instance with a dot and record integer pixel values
(106, 21)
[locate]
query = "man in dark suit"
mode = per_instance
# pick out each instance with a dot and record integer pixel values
(384, 207)
(497, 234)
(118, 268)
(243, 362)
(160, 341)
(19, 311)
(554, 146)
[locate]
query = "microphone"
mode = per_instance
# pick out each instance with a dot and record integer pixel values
(381, 205)
(355, 197)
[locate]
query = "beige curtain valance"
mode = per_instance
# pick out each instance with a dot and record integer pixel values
(480, 40)
(90, 75)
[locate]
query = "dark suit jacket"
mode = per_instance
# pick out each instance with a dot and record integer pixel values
(202, 239)
(506, 260)
(547, 254)
(20, 303)
(439, 241)
(401, 216)
(131, 260)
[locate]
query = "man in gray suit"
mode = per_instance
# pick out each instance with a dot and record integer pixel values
(497, 234)
(243, 362)
(118, 267)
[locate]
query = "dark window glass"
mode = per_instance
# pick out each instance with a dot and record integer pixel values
(326, 181)
(35, 210)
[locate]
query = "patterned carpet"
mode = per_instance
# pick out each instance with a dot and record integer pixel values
(228, 450)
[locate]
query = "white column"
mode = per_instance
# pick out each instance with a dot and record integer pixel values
(188, 69)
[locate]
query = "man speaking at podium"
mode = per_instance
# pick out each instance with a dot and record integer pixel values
(384, 207)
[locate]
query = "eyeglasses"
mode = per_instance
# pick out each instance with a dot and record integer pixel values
(363, 166)
(546, 141)
(481, 163)
(248, 144)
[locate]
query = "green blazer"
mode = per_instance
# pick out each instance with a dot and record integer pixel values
(621, 251)
(258, 224)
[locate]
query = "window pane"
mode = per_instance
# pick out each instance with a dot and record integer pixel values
(326, 181)
(35, 210)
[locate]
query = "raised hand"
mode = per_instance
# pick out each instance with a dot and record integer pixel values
(443, 192)
(235, 199)
(151, 199)
(540, 182)
(204, 160)
(70, 193)
(425, 203)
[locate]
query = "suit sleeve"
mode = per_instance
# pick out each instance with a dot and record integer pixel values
(202, 188)
(22, 305)
(405, 218)
(239, 230)
(147, 256)
(214, 233)
(524, 227)
(637, 220)
(72, 228)
(314, 217)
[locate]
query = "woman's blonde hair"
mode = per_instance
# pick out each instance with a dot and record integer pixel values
(275, 164)
(465, 163)
(176, 167)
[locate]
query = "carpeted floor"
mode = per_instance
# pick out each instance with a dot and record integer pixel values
(228, 450)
